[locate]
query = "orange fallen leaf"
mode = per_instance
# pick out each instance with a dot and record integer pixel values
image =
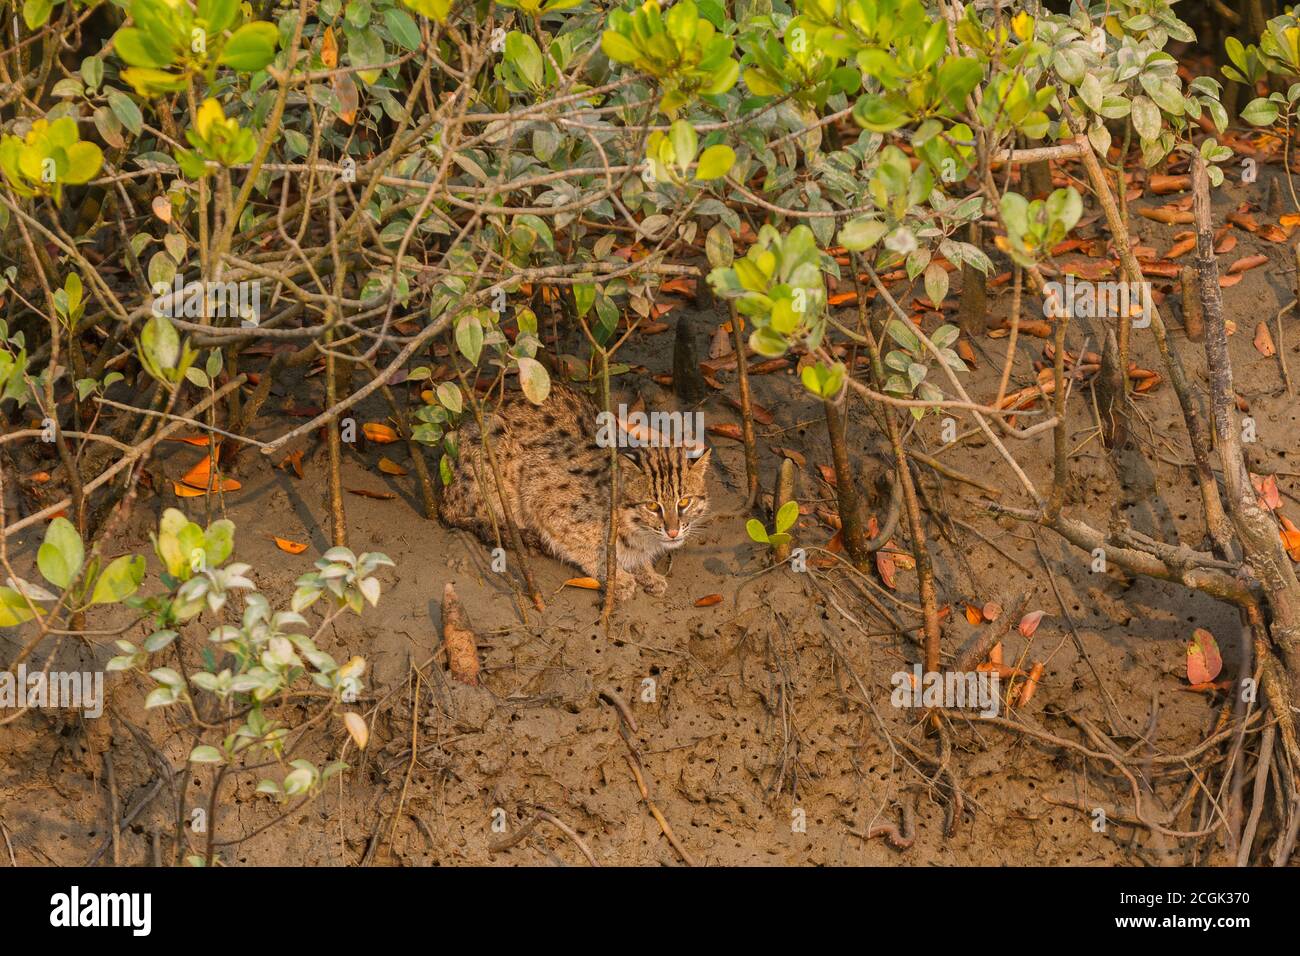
(794, 456)
(1162, 185)
(654, 328)
(760, 414)
(771, 365)
(1227, 282)
(1031, 683)
(185, 491)
(590, 584)
(390, 467)
(1243, 220)
(828, 475)
(1245, 263)
(1168, 215)
(293, 547)
(973, 614)
(377, 495)
(198, 478)
(1004, 671)
(1208, 687)
(709, 600)
(1264, 341)
(39, 477)
(293, 460)
(1165, 270)
(1290, 538)
(200, 440)
(832, 520)
(726, 430)
(379, 432)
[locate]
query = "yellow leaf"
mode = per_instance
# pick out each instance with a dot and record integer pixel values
(357, 729)
(390, 467)
(591, 584)
(329, 49)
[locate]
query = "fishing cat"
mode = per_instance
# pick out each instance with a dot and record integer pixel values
(556, 483)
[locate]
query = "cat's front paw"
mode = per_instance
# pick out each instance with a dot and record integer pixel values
(654, 583)
(625, 585)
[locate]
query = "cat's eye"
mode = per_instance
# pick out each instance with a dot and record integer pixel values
(684, 503)
(652, 506)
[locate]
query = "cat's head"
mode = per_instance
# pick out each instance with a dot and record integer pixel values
(665, 492)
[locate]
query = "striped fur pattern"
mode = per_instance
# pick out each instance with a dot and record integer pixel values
(556, 483)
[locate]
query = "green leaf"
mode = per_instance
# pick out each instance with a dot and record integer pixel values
(1146, 118)
(522, 52)
(449, 397)
(13, 608)
(251, 47)
(120, 580)
(469, 337)
(684, 142)
(860, 234)
(92, 71)
(715, 162)
(787, 516)
(1260, 112)
(37, 12)
(534, 380)
(125, 110)
(936, 283)
(718, 246)
(618, 48)
(61, 555)
(403, 28)
(584, 297)
(218, 14)
(957, 77)
(756, 531)
(206, 754)
(218, 541)
(436, 10)
(137, 48)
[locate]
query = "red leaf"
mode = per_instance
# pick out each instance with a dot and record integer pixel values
(1203, 660)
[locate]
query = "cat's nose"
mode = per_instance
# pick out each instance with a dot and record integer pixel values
(672, 532)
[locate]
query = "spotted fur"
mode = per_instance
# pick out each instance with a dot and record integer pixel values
(556, 480)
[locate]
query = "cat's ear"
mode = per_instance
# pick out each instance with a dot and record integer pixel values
(701, 464)
(632, 461)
